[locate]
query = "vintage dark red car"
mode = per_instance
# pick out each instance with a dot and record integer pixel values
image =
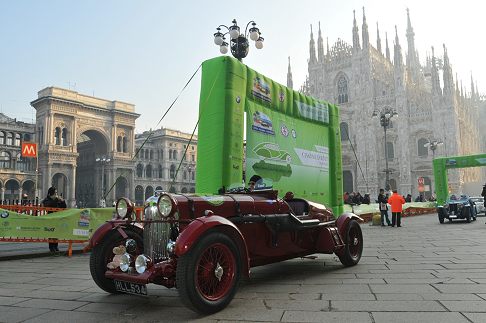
(202, 245)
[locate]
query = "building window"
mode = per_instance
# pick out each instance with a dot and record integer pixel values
(139, 170)
(57, 136)
(193, 158)
(146, 154)
(421, 149)
(64, 137)
(174, 154)
(344, 131)
(125, 145)
(2, 138)
(9, 138)
(185, 175)
(26, 137)
(119, 144)
(390, 152)
(4, 159)
(342, 86)
(17, 139)
(160, 171)
(151, 154)
(148, 171)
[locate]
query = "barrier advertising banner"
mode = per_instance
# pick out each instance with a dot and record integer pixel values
(70, 224)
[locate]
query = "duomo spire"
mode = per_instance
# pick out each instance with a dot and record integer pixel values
(378, 40)
(447, 74)
(413, 65)
(366, 36)
(312, 49)
(387, 48)
(397, 50)
(435, 76)
(320, 46)
(290, 83)
(356, 45)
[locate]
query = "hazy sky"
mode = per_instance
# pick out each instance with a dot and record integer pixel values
(143, 52)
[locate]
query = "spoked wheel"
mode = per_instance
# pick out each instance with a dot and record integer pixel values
(353, 241)
(208, 275)
(102, 254)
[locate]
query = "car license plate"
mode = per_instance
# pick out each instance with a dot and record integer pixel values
(130, 288)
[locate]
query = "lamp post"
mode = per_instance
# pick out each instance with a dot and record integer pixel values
(433, 144)
(103, 160)
(385, 116)
(238, 42)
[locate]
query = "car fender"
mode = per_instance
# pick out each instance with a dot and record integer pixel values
(343, 220)
(201, 225)
(107, 227)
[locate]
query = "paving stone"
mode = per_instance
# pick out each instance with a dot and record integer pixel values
(13, 314)
(79, 317)
(11, 300)
(407, 317)
(465, 306)
(386, 306)
(476, 317)
(51, 304)
(325, 317)
(403, 288)
(293, 305)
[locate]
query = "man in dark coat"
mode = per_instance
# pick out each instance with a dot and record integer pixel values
(382, 202)
(53, 200)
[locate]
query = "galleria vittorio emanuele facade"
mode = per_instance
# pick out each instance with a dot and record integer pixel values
(430, 101)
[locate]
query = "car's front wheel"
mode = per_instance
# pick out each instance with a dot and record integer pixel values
(441, 218)
(102, 254)
(208, 275)
(468, 215)
(353, 244)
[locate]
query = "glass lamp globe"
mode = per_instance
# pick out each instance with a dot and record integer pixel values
(259, 44)
(223, 49)
(254, 35)
(218, 40)
(234, 32)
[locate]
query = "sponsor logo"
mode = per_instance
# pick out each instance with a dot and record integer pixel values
(281, 96)
(318, 112)
(262, 123)
(81, 232)
(238, 99)
(284, 131)
(261, 89)
(294, 133)
(4, 214)
(84, 218)
(318, 159)
(49, 229)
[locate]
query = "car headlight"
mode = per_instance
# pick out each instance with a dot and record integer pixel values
(164, 205)
(124, 208)
(141, 264)
(125, 261)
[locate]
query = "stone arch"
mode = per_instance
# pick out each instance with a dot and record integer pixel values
(139, 192)
(140, 170)
(28, 190)
(184, 190)
(121, 189)
(149, 191)
(422, 151)
(60, 181)
(12, 187)
(148, 171)
(341, 82)
(344, 129)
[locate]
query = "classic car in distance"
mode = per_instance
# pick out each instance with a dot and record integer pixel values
(203, 245)
(457, 207)
(479, 201)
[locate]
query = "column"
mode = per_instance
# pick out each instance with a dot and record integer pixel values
(20, 194)
(3, 194)
(72, 188)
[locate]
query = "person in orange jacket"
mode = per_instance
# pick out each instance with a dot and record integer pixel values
(396, 201)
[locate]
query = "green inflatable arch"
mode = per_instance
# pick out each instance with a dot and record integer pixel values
(441, 165)
(293, 141)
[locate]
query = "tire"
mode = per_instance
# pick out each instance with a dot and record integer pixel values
(102, 254)
(199, 287)
(468, 215)
(353, 244)
(441, 218)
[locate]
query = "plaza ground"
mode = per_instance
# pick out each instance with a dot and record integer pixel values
(422, 272)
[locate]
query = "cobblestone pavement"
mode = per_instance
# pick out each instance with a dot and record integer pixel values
(422, 272)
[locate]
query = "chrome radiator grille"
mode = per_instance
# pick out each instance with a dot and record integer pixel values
(155, 235)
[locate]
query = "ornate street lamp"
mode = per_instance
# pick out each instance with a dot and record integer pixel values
(238, 42)
(433, 144)
(385, 116)
(103, 160)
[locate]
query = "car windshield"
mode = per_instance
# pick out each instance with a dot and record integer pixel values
(454, 197)
(477, 199)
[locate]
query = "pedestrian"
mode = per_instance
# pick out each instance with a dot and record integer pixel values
(396, 201)
(483, 194)
(382, 201)
(53, 200)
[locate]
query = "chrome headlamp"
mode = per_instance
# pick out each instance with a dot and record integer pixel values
(124, 208)
(141, 263)
(125, 261)
(165, 205)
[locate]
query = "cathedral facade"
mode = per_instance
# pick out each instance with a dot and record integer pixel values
(430, 109)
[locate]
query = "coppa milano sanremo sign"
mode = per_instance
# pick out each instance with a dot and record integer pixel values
(293, 140)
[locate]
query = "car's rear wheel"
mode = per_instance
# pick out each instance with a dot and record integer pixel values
(441, 218)
(102, 254)
(353, 244)
(468, 215)
(208, 275)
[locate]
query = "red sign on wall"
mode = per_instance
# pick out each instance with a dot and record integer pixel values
(421, 181)
(29, 149)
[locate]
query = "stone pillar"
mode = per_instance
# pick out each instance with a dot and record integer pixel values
(3, 194)
(20, 194)
(72, 188)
